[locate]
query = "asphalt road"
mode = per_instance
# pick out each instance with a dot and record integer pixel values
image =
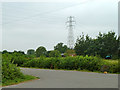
(67, 79)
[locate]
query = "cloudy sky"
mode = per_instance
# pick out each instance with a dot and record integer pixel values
(27, 25)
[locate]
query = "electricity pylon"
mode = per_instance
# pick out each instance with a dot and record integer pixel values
(70, 24)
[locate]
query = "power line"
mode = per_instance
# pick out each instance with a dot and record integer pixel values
(32, 16)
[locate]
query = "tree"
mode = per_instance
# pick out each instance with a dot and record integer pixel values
(31, 52)
(103, 45)
(47, 54)
(83, 45)
(22, 52)
(5, 51)
(60, 47)
(107, 44)
(41, 51)
(54, 53)
(69, 52)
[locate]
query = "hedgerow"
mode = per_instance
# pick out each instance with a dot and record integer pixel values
(72, 63)
(91, 63)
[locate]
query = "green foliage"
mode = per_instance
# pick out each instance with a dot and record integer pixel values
(31, 52)
(9, 70)
(5, 51)
(85, 46)
(107, 44)
(0, 68)
(103, 45)
(69, 52)
(47, 54)
(41, 51)
(15, 58)
(60, 47)
(10, 73)
(72, 63)
(54, 53)
(90, 63)
(18, 80)
(112, 64)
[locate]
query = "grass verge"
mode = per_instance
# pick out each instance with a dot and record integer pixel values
(69, 70)
(19, 80)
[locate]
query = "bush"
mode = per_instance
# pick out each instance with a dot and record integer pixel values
(113, 65)
(15, 58)
(9, 70)
(54, 53)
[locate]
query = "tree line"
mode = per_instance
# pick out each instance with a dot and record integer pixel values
(104, 44)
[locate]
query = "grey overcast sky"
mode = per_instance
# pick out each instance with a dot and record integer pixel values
(28, 25)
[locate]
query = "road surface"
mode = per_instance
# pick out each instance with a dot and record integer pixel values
(67, 79)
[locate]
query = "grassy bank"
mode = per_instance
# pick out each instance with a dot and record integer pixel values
(11, 74)
(19, 80)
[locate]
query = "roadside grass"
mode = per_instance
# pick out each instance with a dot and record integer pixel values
(69, 70)
(19, 80)
(111, 61)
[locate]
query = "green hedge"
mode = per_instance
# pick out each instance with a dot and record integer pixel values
(73, 63)
(90, 63)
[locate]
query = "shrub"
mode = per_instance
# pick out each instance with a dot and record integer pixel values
(54, 53)
(9, 70)
(15, 58)
(113, 65)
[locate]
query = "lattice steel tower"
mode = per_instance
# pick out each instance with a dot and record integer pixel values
(70, 24)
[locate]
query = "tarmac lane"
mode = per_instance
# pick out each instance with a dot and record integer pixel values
(67, 79)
